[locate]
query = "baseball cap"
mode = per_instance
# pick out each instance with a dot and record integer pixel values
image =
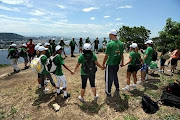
(36, 47)
(13, 45)
(53, 39)
(87, 46)
(62, 39)
(113, 32)
(46, 44)
(24, 45)
(149, 42)
(39, 44)
(134, 45)
(58, 47)
(42, 48)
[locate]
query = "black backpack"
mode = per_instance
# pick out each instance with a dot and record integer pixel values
(89, 66)
(15, 54)
(154, 55)
(148, 105)
(138, 63)
(174, 88)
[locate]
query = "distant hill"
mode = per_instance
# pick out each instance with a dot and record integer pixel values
(11, 37)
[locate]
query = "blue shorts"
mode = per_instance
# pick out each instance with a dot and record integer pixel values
(144, 67)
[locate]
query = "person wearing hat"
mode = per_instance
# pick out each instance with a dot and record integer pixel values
(30, 49)
(146, 60)
(113, 57)
(96, 42)
(62, 44)
(48, 51)
(14, 55)
(58, 61)
(87, 52)
(23, 53)
(132, 68)
(80, 45)
(104, 42)
(72, 44)
(44, 74)
(87, 40)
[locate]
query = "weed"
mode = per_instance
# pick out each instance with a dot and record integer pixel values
(29, 116)
(13, 111)
(171, 117)
(2, 115)
(130, 117)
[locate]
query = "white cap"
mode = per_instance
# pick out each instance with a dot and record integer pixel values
(46, 44)
(149, 42)
(62, 39)
(36, 47)
(58, 47)
(134, 45)
(113, 32)
(42, 48)
(39, 44)
(13, 45)
(53, 39)
(87, 46)
(24, 45)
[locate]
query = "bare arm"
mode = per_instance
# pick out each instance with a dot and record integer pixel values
(122, 60)
(97, 63)
(77, 65)
(104, 61)
(130, 59)
(68, 69)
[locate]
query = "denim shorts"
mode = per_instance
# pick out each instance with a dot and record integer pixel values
(144, 67)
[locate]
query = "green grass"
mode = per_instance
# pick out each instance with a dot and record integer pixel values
(2, 115)
(13, 111)
(171, 117)
(130, 117)
(3, 65)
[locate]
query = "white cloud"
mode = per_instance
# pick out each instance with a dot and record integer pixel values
(9, 9)
(118, 19)
(119, 23)
(18, 2)
(127, 6)
(37, 13)
(108, 24)
(106, 16)
(60, 6)
(89, 9)
(92, 18)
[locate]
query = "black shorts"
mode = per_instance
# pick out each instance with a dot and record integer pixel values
(39, 75)
(131, 68)
(72, 48)
(91, 80)
(174, 61)
(96, 47)
(31, 55)
(162, 62)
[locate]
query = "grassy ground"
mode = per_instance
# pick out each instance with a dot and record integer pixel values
(3, 65)
(20, 97)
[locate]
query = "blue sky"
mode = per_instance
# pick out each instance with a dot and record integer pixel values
(82, 18)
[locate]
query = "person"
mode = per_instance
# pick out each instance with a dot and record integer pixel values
(13, 54)
(53, 45)
(80, 45)
(48, 52)
(146, 60)
(173, 60)
(44, 74)
(58, 60)
(163, 57)
(84, 76)
(96, 42)
(30, 49)
(113, 57)
(132, 68)
(23, 53)
(104, 42)
(87, 40)
(50, 47)
(72, 44)
(62, 44)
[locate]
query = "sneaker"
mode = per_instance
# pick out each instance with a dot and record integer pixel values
(39, 86)
(45, 90)
(81, 99)
(133, 86)
(66, 97)
(126, 89)
(96, 97)
(108, 94)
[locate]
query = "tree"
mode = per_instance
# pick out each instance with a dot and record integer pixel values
(135, 34)
(169, 37)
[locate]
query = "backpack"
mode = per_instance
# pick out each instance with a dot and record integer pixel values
(36, 64)
(50, 65)
(170, 99)
(16, 54)
(154, 55)
(153, 65)
(174, 88)
(89, 66)
(148, 105)
(138, 64)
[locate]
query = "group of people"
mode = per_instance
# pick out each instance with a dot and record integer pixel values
(113, 60)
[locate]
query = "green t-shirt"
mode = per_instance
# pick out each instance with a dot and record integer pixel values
(81, 60)
(48, 53)
(43, 61)
(58, 60)
(87, 41)
(72, 43)
(114, 51)
(23, 52)
(80, 43)
(134, 56)
(11, 51)
(53, 47)
(104, 42)
(62, 44)
(148, 52)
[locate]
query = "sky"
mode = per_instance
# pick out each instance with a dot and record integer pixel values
(82, 18)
